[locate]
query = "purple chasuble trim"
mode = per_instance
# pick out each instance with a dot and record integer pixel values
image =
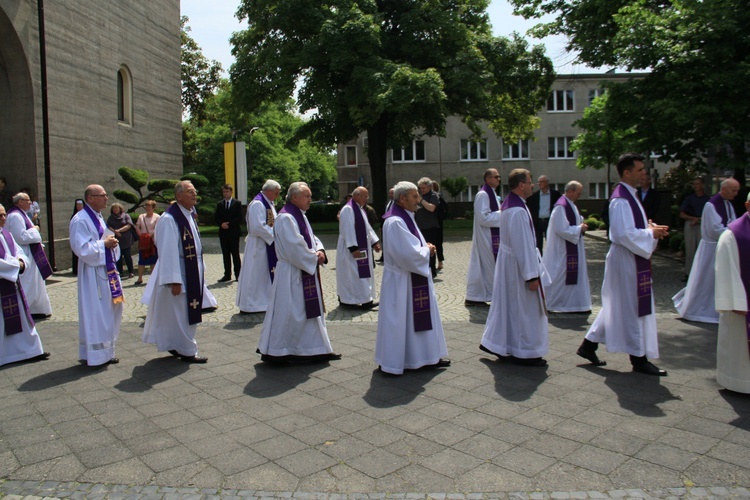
(718, 202)
(420, 285)
(494, 207)
(8, 298)
(309, 285)
(360, 230)
(113, 279)
(571, 249)
(37, 250)
(740, 228)
(270, 249)
(193, 284)
(642, 266)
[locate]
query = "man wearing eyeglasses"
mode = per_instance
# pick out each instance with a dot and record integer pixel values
(176, 303)
(485, 242)
(100, 297)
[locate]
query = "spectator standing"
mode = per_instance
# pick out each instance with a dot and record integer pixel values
(120, 223)
(649, 197)
(540, 205)
(145, 226)
(427, 217)
(228, 217)
(691, 211)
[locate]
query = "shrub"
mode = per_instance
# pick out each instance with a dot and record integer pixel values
(677, 241)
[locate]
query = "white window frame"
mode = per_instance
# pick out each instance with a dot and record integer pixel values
(567, 153)
(473, 150)
(521, 147)
(599, 190)
(557, 95)
(347, 156)
(416, 145)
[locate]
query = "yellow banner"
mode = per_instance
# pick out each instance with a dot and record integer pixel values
(229, 164)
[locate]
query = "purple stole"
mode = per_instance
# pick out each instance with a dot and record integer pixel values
(115, 288)
(193, 284)
(8, 297)
(741, 230)
(37, 251)
(718, 202)
(515, 201)
(571, 249)
(642, 266)
(360, 230)
(420, 285)
(270, 249)
(309, 285)
(494, 231)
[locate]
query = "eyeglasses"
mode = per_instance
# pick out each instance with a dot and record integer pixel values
(3, 215)
(191, 191)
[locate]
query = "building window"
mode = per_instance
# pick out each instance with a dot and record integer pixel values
(594, 93)
(516, 151)
(410, 154)
(559, 147)
(350, 156)
(471, 150)
(598, 190)
(560, 100)
(124, 96)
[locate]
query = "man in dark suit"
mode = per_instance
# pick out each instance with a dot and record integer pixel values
(540, 205)
(649, 198)
(228, 217)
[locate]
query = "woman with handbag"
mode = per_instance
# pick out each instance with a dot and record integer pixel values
(145, 226)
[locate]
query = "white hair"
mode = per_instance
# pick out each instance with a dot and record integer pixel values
(573, 186)
(425, 181)
(295, 188)
(402, 188)
(271, 185)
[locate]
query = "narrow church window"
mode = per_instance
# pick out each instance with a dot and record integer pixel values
(124, 96)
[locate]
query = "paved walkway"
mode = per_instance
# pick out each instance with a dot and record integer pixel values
(155, 427)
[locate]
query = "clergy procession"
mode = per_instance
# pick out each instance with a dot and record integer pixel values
(281, 277)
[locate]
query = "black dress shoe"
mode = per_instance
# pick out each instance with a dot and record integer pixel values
(475, 303)
(529, 361)
(590, 356)
(42, 357)
(225, 278)
(194, 359)
(500, 356)
(112, 361)
(334, 356)
(369, 305)
(444, 362)
(649, 369)
(174, 353)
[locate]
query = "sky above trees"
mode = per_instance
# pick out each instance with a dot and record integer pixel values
(212, 23)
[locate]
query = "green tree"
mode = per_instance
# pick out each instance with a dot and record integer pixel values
(200, 77)
(455, 185)
(159, 190)
(694, 100)
(388, 67)
(274, 151)
(602, 140)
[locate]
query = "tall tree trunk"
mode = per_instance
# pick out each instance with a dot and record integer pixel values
(377, 138)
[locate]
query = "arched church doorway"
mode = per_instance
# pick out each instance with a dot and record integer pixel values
(18, 156)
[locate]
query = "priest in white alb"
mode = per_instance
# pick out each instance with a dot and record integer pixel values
(565, 256)
(100, 297)
(517, 321)
(259, 261)
(627, 322)
(355, 266)
(410, 331)
(294, 329)
(19, 340)
(695, 302)
(176, 302)
(28, 237)
(733, 304)
(485, 242)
